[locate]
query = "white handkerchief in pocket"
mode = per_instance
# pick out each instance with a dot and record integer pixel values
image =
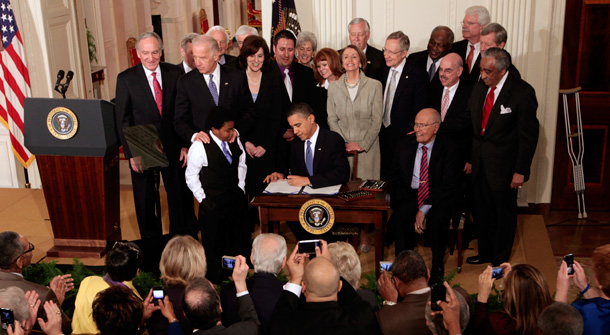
(505, 110)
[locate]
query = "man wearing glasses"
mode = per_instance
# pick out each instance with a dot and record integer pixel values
(15, 255)
(424, 185)
(475, 18)
(405, 92)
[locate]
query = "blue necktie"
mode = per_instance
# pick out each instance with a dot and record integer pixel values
(213, 89)
(226, 152)
(309, 159)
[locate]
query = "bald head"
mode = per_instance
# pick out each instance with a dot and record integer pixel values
(321, 280)
(426, 125)
(450, 69)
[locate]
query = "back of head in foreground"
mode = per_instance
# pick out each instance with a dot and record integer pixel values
(321, 281)
(201, 304)
(410, 268)
(560, 319)
(268, 253)
(117, 311)
(13, 298)
(526, 294)
(123, 261)
(182, 261)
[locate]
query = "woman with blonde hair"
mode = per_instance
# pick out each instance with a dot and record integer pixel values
(182, 261)
(326, 69)
(526, 294)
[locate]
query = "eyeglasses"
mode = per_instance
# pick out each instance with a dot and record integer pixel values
(422, 125)
(30, 248)
(392, 53)
(466, 23)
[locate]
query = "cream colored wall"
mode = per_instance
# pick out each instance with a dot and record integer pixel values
(535, 35)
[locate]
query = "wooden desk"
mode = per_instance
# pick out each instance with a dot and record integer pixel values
(282, 207)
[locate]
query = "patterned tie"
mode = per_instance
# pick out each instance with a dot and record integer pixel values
(432, 69)
(424, 187)
(288, 83)
(226, 152)
(158, 92)
(213, 89)
(387, 118)
(489, 103)
(469, 58)
(309, 158)
(445, 104)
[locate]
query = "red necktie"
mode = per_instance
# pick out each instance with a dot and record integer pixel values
(158, 92)
(469, 58)
(489, 103)
(424, 187)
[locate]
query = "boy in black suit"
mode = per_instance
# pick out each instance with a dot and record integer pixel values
(216, 174)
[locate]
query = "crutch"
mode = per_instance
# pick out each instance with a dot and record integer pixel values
(577, 171)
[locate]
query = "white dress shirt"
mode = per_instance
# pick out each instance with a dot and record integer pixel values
(149, 78)
(197, 158)
(313, 139)
(498, 87)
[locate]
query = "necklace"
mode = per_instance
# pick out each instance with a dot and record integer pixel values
(253, 83)
(352, 86)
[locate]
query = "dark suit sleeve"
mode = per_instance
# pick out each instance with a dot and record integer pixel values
(447, 182)
(124, 112)
(358, 309)
(336, 169)
(285, 309)
(249, 319)
(183, 114)
(528, 131)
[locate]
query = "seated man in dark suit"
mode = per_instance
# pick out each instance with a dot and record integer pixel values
(324, 163)
(15, 255)
(405, 295)
(201, 305)
(332, 306)
(268, 257)
(425, 182)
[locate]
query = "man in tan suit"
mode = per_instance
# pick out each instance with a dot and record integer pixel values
(15, 255)
(405, 296)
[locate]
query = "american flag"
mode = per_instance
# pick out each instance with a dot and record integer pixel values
(14, 82)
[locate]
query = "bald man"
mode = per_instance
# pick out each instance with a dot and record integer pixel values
(425, 180)
(332, 306)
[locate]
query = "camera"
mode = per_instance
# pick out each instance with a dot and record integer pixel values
(496, 272)
(569, 259)
(385, 266)
(309, 246)
(7, 318)
(228, 262)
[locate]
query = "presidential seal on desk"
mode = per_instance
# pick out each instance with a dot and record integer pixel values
(62, 123)
(316, 216)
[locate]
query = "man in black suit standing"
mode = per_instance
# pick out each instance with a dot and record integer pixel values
(475, 18)
(186, 50)
(219, 33)
(429, 60)
(318, 157)
(505, 127)
(201, 305)
(359, 32)
(425, 179)
(494, 35)
(405, 88)
(268, 257)
(145, 94)
(199, 91)
(332, 306)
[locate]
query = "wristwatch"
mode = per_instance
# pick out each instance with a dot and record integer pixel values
(388, 303)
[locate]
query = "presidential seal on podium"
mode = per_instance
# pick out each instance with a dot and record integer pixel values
(62, 123)
(316, 216)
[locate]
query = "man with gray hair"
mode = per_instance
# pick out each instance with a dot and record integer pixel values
(145, 94)
(13, 298)
(475, 18)
(15, 255)
(505, 128)
(186, 50)
(494, 35)
(240, 35)
(221, 36)
(268, 257)
(405, 92)
(359, 32)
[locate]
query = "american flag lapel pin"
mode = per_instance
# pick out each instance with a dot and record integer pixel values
(226, 83)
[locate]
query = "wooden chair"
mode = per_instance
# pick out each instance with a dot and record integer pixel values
(255, 18)
(132, 53)
(204, 25)
(355, 165)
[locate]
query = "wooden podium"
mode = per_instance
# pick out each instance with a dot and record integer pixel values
(76, 148)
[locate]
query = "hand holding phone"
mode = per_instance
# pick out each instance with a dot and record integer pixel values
(7, 318)
(497, 272)
(158, 294)
(228, 262)
(309, 246)
(569, 259)
(439, 292)
(385, 266)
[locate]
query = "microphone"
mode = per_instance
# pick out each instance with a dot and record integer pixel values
(60, 76)
(68, 79)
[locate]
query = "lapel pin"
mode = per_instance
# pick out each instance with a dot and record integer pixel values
(406, 77)
(226, 83)
(319, 149)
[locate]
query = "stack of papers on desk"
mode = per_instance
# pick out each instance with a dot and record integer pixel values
(282, 187)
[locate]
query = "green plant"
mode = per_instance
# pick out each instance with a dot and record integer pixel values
(91, 46)
(145, 281)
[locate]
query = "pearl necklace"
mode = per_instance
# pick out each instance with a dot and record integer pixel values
(252, 83)
(352, 86)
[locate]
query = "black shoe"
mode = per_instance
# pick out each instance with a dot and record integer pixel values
(478, 259)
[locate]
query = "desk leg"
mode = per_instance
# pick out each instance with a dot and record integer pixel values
(379, 220)
(263, 216)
